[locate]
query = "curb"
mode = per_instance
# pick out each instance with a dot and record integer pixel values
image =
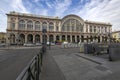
(87, 58)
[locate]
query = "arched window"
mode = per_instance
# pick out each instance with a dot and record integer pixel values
(37, 38)
(63, 28)
(44, 25)
(72, 23)
(12, 38)
(72, 27)
(37, 26)
(77, 26)
(21, 25)
(51, 27)
(30, 25)
(81, 27)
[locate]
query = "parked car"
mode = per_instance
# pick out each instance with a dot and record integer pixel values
(2, 44)
(28, 44)
(58, 43)
(65, 42)
(38, 44)
(51, 43)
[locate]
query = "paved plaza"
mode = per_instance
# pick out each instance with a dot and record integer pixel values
(59, 64)
(69, 64)
(14, 60)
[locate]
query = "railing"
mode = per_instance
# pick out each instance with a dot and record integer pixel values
(33, 69)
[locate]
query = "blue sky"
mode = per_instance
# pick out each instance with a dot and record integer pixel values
(93, 10)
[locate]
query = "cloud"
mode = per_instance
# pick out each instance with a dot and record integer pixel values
(61, 7)
(102, 10)
(93, 10)
(5, 7)
(48, 3)
(17, 5)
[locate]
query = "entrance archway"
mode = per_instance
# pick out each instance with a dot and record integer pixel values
(30, 38)
(44, 38)
(78, 39)
(63, 37)
(68, 38)
(12, 38)
(22, 38)
(91, 39)
(73, 38)
(98, 39)
(37, 38)
(82, 38)
(51, 38)
(57, 38)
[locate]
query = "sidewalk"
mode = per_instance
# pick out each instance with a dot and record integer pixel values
(18, 47)
(69, 64)
(50, 70)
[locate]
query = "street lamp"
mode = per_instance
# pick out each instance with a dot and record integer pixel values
(44, 40)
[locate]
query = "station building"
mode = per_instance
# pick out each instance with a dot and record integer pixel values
(116, 36)
(27, 28)
(2, 37)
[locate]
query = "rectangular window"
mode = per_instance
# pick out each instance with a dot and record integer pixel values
(90, 28)
(94, 29)
(12, 25)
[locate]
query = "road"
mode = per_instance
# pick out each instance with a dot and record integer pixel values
(13, 61)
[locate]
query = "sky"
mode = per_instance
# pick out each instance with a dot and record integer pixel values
(93, 10)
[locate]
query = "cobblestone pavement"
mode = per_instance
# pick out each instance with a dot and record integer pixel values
(69, 64)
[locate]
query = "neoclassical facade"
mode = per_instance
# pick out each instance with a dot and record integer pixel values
(27, 28)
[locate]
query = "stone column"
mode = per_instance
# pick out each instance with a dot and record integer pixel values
(16, 37)
(33, 38)
(54, 37)
(92, 29)
(75, 27)
(33, 26)
(100, 38)
(25, 25)
(79, 38)
(65, 37)
(59, 27)
(41, 38)
(40, 26)
(25, 38)
(60, 36)
(75, 38)
(70, 38)
(8, 38)
(16, 24)
(100, 30)
(88, 28)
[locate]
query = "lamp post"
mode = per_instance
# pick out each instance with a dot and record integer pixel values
(44, 40)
